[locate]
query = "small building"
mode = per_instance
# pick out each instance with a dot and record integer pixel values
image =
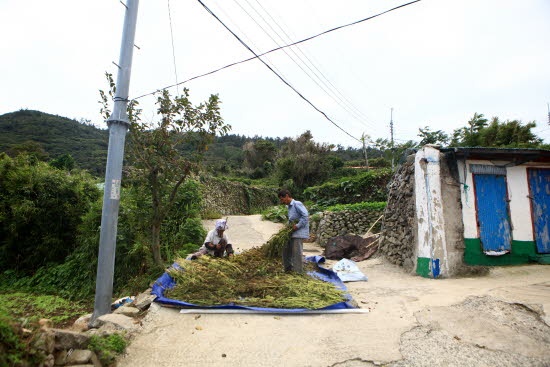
(473, 206)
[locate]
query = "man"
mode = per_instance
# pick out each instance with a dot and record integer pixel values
(297, 213)
(216, 243)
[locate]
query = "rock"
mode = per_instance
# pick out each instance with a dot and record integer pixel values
(127, 311)
(67, 339)
(144, 299)
(117, 321)
(50, 361)
(61, 358)
(81, 324)
(79, 356)
(45, 342)
(45, 323)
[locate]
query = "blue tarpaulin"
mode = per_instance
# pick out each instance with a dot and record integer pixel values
(166, 282)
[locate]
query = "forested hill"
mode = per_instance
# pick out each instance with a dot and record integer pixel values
(56, 135)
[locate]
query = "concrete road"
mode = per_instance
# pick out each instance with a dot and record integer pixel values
(500, 319)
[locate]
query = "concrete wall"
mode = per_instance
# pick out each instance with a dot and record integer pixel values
(523, 245)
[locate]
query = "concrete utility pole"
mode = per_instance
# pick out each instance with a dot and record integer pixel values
(363, 138)
(118, 126)
(391, 135)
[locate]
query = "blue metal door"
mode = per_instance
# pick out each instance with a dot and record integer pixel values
(492, 213)
(539, 185)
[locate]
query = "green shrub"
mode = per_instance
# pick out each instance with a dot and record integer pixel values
(16, 348)
(107, 347)
(210, 214)
(374, 206)
(40, 210)
(277, 214)
(369, 186)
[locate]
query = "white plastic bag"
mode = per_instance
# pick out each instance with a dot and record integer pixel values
(347, 271)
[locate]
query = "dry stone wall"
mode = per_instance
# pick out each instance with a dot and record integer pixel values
(346, 222)
(235, 198)
(399, 226)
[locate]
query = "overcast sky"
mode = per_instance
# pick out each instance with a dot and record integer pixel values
(435, 62)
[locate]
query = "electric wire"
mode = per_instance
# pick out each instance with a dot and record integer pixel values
(324, 87)
(344, 99)
(173, 48)
(275, 49)
(250, 41)
(279, 76)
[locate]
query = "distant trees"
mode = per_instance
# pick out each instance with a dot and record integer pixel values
(432, 137)
(303, 161)
(259, 157)
(479, 132)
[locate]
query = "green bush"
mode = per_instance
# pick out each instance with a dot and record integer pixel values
(369, 186)
(277, 214)
(374, 206)
(107, 347)
(40, 210)
(17, 349)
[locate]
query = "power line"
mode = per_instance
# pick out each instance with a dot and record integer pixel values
(279, 76)
(277, 48)
(324, 87)
(173, 48)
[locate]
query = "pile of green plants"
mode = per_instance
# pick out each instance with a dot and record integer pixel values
(249, 279)
(273, 248)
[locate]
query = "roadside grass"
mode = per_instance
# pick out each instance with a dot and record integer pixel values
(31, 307)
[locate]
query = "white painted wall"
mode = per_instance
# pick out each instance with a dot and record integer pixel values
(429, 208)
(518, 191)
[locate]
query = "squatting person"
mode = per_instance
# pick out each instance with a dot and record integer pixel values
(297, 213)
(216, 243)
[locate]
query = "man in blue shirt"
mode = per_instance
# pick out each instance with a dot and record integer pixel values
(297, 214)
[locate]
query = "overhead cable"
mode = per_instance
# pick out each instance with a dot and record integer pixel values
(275, 49)
(274, 72)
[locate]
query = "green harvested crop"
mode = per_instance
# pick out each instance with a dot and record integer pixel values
(274, 246)
(249, 279)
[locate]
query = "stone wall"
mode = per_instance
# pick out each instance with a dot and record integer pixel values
(235, 198)
(345, 222)
(399, 226)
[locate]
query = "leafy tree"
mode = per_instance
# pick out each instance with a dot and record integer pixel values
(40, 210)
(259, 156)
(304, 162)
(469, 135)
(29, 148)
(156, 150)
(432, 137)
(65, 162)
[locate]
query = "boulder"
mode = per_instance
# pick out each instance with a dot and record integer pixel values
(81, 324)
(117, 321)
(79, 356)
(143, 300)
(67, 339)
(127, 311)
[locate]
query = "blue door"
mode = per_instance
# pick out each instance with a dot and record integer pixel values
(539, 185)
(492, 213)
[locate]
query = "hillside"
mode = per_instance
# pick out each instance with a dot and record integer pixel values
(57, 135)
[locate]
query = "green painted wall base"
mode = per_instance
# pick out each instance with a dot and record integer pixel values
(522, 252)
(423, 267)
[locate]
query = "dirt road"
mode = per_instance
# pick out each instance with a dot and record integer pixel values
(501, 319)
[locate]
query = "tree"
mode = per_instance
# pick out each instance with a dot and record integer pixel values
(259, 156)
(469, 135)
(432, 137)
(65, 162)
(303, 161)
(156, 151)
